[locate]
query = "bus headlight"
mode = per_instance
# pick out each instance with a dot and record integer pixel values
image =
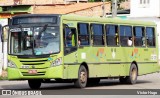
(56, 62)
(11, 64)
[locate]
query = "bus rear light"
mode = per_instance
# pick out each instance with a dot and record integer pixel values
(11, 64)
(56, 62)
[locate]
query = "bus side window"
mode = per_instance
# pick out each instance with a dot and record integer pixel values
(150, 36)
(139, 36)
(83, 34)
(125, 35)
(112, 35)
(98, 33)
(70, 40)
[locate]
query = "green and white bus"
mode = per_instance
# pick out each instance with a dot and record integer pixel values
(46, 48)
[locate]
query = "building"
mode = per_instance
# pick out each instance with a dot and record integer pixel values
(145, 8)
(125, 4)
(84, 9)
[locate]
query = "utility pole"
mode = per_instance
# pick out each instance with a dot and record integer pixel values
(114, 8)
(104, 9)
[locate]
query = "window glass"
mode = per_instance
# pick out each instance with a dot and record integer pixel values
(149, 32)
(112, 38)
(139, 36)
(111, 30)
(83, 34)
(70, 37)
(126, 35)
(35, 41)
(97, 30)
(70, 40)
(138, 32)
(150, 36)
(83, 28)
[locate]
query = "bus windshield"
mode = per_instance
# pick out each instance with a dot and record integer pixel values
(34, 41)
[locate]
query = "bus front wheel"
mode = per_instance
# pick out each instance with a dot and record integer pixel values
(34, 84)
(82, 77)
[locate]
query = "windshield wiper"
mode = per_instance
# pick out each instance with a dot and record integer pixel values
(43, 29)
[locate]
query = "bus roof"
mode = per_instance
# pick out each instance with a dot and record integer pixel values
(107, 20)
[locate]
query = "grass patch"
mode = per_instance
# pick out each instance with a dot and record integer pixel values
(3, 78)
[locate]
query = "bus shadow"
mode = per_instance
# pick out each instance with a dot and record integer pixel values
(44, 86)
(106, 84)
(63, 86)
(116, 83)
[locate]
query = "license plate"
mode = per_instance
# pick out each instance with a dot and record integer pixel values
(32, 71)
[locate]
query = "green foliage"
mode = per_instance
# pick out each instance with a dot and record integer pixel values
(3, 78)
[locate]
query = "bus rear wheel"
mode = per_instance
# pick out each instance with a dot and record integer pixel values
(34, 83)
(81, 82)
(132, 78)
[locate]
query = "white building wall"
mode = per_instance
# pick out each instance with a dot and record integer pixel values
(145, 8)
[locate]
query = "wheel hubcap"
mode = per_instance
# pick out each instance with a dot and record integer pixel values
(83, 77)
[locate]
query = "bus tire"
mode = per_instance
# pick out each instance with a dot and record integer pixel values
(34, 83)
(132, 78)
(81, 82)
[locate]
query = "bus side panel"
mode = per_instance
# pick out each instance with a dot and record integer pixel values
(71, 71)
(148, 60)
(103, 61)
(147, 68)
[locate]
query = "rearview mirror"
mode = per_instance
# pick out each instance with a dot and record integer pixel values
(0, 32)
(5, 31)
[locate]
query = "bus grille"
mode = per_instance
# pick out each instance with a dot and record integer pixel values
(33, 62)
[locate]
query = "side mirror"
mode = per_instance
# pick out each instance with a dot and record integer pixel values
(66, 25)
(0, 33)
(5, 31)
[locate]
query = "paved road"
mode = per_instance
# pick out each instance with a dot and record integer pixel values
(150, 81)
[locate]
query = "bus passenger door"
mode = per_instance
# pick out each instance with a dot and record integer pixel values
(70, 49)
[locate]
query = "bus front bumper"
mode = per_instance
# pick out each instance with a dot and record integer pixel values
(48, 73)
